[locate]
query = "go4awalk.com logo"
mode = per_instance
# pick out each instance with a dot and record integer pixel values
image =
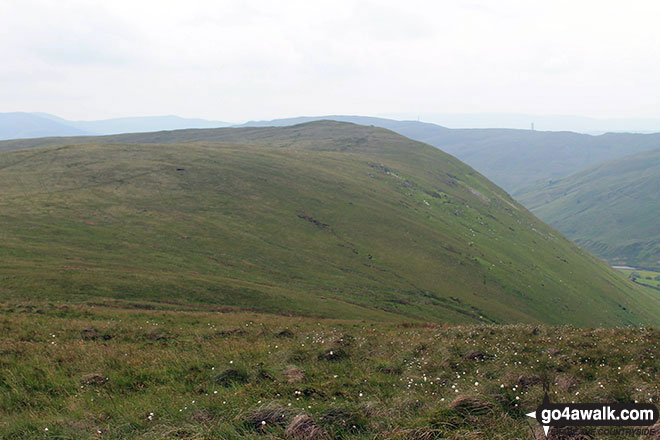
(594, 414)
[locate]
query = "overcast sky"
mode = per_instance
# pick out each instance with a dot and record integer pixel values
(240, 60)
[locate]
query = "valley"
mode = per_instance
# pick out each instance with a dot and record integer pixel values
(646, 278)
(611, 209)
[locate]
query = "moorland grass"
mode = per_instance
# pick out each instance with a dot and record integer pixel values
(154, 372)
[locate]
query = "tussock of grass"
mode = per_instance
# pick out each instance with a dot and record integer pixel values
(231, 376)
(293, 374)
(303, 427)
(471, 405)
(268, 416)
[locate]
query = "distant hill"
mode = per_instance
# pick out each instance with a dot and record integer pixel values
(137, 124)
(511, 158)
(324, 218)
(612, 209)
(578, 124)
(19, 125)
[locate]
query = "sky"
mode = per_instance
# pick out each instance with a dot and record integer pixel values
(246, 60)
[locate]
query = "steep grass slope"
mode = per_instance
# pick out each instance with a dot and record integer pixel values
(611, 209)
(324, 218)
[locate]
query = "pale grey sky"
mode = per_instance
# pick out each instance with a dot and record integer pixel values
(238, 60)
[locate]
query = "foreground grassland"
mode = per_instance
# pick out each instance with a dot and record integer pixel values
(117, 370)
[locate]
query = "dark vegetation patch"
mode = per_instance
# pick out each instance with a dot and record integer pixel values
(231, 332)
(92, 334)
(476, 356)
(93, 379)
(232, 376)
(334, 354)
(157, 335)
(314, 221)
(286, 333)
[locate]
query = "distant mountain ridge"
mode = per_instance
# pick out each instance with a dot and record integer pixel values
(518, 121)
(20, 125)
(17, 125)
(140, 124)
(513, 159)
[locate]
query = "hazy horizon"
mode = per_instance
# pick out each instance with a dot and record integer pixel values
(574, 123)
(255, 60)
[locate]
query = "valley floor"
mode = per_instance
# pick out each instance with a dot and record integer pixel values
(643, 277)
(115, 370)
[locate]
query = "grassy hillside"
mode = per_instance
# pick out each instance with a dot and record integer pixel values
(324, 218)
(109, 370)
(611, 209)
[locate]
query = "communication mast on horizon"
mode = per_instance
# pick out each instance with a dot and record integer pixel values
(532, 126)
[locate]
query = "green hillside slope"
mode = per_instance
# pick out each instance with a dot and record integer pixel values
(324, 218)
(611, 209)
